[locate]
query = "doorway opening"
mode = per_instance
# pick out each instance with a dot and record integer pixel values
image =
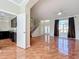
(8, 29)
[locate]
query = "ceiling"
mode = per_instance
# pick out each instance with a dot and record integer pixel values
(48, 9)
(19, 2)
(6, 16)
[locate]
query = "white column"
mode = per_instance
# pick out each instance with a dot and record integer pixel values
(28, 26)
(21, 30)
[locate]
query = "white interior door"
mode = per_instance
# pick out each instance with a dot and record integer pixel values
(21, 30)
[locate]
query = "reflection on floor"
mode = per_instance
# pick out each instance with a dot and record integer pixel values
(56, 48)
(7, 49)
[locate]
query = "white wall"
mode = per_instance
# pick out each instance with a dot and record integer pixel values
(4, 25)
(77, 27)
(52, 28)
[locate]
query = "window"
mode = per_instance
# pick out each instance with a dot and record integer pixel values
(63, 26)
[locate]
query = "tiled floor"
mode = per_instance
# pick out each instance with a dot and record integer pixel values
(56, 48)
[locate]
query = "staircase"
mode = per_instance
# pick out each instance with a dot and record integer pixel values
(33, 25)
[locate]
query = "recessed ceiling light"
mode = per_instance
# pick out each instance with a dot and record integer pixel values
(60, 13)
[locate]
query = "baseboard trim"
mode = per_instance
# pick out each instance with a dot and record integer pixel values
(28, 46)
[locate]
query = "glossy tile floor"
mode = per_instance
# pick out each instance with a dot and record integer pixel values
(55, 48)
